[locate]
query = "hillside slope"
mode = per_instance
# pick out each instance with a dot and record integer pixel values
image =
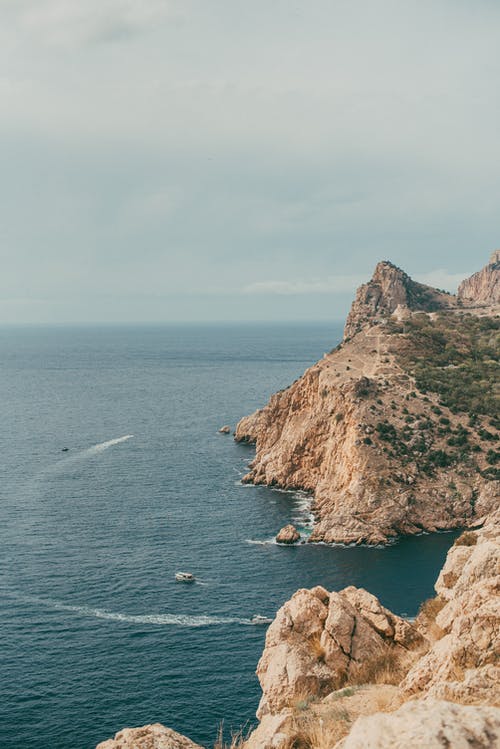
(396, 430)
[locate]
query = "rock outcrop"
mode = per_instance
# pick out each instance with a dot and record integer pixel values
(483, 288)
(320, 641)
(391, 289)
(464, 663)
(288, 535)
(429, 724)
(368, 429)
(154, 736)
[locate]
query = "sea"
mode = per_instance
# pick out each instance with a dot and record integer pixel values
(113, 477)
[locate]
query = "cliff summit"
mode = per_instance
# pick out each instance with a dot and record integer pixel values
(396, 431)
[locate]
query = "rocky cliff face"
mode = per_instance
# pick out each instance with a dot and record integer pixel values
(389, 289)
(340, 670)
(483, 288)
(331, 657)
(368, 429)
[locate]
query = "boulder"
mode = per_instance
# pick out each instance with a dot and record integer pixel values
(153, 736)
(288, 535)
(320, 641)
(226, 429)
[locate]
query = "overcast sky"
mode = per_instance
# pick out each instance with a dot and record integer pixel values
(221, 159)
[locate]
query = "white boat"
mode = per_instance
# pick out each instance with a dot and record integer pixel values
(258, 619)
(184, 577)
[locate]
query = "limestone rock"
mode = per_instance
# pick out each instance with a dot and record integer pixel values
(325, 433)
(464, 664)
(482, 288)
(391, 289)
(320, 641)
(288, 535)
(226, 429)
(427, 724)
(153, 736)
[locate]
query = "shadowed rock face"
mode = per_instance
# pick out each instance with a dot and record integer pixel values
(390, 288)
(482, 288)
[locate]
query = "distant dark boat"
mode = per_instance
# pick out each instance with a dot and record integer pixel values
(65, 449)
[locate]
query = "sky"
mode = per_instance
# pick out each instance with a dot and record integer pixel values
(171, 160)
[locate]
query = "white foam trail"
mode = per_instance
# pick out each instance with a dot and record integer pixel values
(74, 459)
(109, 443)
(178, 620)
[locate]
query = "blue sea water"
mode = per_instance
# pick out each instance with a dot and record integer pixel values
(95, 632)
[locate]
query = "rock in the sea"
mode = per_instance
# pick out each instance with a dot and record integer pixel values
(320, 641)
(288, 535)
(427, 724)
(154, 736)
(226, 429)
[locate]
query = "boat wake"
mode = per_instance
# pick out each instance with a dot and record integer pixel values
(101, 446)
(176, 620)
(74, 459)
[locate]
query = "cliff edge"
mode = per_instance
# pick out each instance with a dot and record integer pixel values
(396, 430)
(339, 670)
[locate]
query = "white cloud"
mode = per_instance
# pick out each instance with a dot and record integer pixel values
(328, 285)
(442, 279)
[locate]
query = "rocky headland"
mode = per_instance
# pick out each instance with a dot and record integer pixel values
(395, 431)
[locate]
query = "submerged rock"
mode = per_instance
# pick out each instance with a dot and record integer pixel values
(288, 535)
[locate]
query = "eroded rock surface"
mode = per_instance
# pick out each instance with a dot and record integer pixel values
(377, 452)
(483, 287)
(320, 641)
(464, 664)
(391, 289)
(427, 724)
(153, 736)
(288, 535)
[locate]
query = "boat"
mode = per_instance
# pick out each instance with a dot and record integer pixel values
(184, 577)
(64, 449)
(258, 619)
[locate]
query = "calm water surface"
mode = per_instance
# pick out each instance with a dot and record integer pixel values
(95, 633)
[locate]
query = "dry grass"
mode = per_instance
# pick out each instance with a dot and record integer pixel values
(301, 700)
(317, 648)
(431, 608)
(314, 732)
(384, 668)
(467, 538)
(427, 617)
(238, 738)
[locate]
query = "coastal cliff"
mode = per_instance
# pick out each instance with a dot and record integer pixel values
(396, 430)
(339, 670)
